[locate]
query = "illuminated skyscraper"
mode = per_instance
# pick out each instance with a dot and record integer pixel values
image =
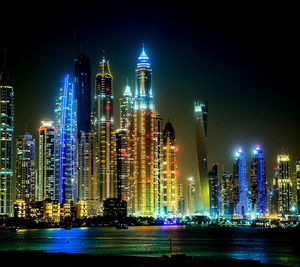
(25, 168)
(65, 124)
(126, 109)
(87, 171)
(227, 195)
(122, 163)
(181, 201)
(240, 189)
(6, 141)
(298, 185)
(284, 183)
(127, 122)
(258, 183)
(82, 93)
(213, 190)
(169, 179)
(104, 123)
(191, 190)
(144, 130)
(157, 162)
(46, 171)
(201, 114)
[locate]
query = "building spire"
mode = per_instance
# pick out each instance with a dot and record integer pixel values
(143, 59)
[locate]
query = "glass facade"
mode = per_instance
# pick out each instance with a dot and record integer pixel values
(65, 125)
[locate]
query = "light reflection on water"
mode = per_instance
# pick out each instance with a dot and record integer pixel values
(240, 243)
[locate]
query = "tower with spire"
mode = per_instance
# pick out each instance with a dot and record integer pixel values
(145, 141)
(6, 140)
(104, 126)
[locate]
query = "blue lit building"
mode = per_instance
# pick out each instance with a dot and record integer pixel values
(240, 186)
(65, 124)
(6, 141)
(258, 183)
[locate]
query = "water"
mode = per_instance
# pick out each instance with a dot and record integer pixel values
(235, 242)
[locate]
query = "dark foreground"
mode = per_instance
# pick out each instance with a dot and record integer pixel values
(39, 258)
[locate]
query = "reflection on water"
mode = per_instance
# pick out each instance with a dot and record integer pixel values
(240, 243)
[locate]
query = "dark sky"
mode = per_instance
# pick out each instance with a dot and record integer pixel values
(243, 59)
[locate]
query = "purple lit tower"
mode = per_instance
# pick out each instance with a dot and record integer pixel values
(258, 182)
(241, 185)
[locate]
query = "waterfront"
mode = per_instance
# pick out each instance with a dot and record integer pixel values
(218, 242)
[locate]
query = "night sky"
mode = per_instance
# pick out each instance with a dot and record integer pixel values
(241, 58)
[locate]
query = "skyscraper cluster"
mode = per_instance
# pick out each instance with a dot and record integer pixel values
(83, 157)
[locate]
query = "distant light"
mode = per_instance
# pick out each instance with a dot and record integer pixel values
(293, 209)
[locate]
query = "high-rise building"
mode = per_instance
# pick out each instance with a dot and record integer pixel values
(157, 162)
(283, 178)
(144, 151)
(201, 114)
(25, 168)
(122, 163)
(65, 144)
(214, 190)
(240, 184)
(191, 194)
(258, 183)
(104, 123)
(169, 179)
(227, 194)
(87, 172)
(82, 93)
(6, 141)
(181, 201)
(298, 186)
(126, 109)
(127, 123)
(46, 170)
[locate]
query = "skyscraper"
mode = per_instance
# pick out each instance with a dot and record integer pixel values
(143, 135)
(169, 179)
(258, 183)
(122, 163)
(191, 190)
(284, 183)
(227, 195)
(6, 141)
(82, 93)
(126, 109)
(46, 171)
(25, 168)
(157, 162)
(201, 114)
(240, 184)
(65, 124)
(127, 123)
(213, 190)
(87, 171)
(104, 123)
(298, 185)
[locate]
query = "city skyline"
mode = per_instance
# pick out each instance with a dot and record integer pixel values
(217, 75)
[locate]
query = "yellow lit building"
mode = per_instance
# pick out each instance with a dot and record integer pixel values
(81, 209)
(88, 158)
(169, 182)
(20, 209)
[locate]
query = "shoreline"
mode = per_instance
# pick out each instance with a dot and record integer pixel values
(38, 258)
